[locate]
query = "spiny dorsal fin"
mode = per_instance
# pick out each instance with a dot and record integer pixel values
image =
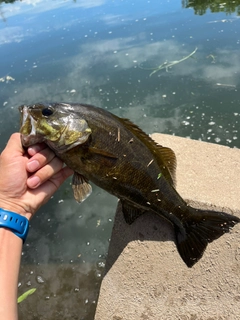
(165, 157)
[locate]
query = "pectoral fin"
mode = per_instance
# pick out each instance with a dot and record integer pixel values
(81, 188)
(130, 212)
(102, 153)
(99, 156)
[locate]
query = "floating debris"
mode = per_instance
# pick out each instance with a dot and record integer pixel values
(98, 223)
(40, 279)
(212, 57)
(223, 20)
(166, 65)
(226, 85)
(25, 295)
(6, 79)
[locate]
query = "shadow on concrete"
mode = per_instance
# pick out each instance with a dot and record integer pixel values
(148, 227)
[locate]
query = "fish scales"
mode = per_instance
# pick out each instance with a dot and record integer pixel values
(120, 158)
(134, 179)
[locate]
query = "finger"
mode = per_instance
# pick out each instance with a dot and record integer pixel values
(36, 148)
(47, 189)
(40, 159)
(45, 173)
(57, 179)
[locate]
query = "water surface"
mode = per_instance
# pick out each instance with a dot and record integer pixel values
(103, 52)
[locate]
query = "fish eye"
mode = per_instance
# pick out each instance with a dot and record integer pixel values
(46, 112)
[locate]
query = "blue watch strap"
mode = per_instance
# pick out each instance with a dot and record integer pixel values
(18, 224)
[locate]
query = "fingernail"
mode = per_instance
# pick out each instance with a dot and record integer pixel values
(33, 181)
(32, 165)
(33, 150)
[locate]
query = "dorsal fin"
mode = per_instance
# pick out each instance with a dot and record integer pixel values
(169, 160)
(165, 157)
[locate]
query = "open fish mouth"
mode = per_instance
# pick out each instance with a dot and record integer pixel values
(28, 128)
(58, 127)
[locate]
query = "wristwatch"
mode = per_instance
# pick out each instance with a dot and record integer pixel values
(18, 224)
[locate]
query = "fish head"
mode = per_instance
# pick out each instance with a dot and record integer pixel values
(56, 124)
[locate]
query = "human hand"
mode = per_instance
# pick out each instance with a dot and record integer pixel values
(29, 178)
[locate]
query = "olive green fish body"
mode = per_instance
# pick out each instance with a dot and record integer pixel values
(117, 160)
(119, 157)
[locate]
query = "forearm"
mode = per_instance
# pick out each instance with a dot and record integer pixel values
(10, 256)
(39, 174)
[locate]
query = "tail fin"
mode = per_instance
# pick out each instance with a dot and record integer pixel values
(199, 229)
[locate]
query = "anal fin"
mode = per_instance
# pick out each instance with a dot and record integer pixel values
(130, 212)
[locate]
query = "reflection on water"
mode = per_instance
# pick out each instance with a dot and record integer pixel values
(67, 248)
(99, 52)
(201, 7)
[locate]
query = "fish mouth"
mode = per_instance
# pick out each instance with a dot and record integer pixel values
(28, 130)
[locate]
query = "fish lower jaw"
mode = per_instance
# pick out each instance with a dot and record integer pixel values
(29, 140)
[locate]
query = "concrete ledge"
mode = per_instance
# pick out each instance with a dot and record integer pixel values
(145, 276)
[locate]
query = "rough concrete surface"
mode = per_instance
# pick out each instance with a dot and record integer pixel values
(146, 279)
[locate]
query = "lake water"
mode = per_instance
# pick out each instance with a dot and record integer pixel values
(171, 67)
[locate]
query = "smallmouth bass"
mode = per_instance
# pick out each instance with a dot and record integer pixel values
(120, 158)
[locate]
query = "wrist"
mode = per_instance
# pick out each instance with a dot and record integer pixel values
(14, 222)
(9, 238)
(14, 207)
